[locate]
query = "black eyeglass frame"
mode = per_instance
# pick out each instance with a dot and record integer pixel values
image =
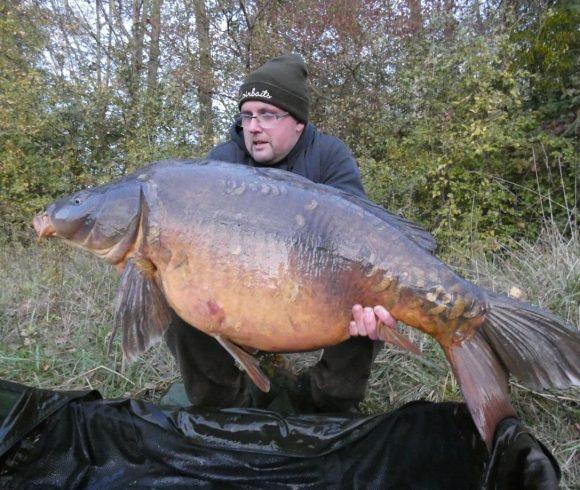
(246, 118)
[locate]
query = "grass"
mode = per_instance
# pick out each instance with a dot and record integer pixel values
(56, 314)
(55, 319)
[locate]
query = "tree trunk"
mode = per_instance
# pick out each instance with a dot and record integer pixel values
(449, 29)
(136, 65)
(138, 32)
(153, 68)
(99, 44)
(478, 17)
(101, 102)
(205, 78)
(415, 16)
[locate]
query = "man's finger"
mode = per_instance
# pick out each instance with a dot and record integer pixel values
(385, 316)
(358, 315)
(370, 323)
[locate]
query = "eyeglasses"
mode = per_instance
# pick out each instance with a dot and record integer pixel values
(266, 120)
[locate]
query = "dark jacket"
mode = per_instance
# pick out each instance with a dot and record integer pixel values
(318, 157)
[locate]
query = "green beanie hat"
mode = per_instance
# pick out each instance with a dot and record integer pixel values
(280, 82)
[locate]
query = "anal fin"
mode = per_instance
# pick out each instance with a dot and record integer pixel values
(141, 311)
(484, 383)
(247, 362)
(392, 336)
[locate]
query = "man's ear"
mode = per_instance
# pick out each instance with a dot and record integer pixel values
(299, 127)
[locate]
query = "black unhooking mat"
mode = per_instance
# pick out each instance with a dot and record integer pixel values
(77, 440)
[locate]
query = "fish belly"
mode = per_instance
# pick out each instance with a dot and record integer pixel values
(266, 304)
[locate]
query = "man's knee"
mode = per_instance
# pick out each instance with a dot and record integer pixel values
(210, 376)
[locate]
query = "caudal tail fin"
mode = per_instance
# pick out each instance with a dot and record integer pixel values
(538, 348)
(535, 346)
(483, 381)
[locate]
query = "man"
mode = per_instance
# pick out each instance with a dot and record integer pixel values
(272, 130)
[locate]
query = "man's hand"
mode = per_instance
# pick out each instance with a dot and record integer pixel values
(365, 321)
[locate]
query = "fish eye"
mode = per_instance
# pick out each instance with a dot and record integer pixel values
(77, 200)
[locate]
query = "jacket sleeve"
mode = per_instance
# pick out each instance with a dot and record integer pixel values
(339, 168)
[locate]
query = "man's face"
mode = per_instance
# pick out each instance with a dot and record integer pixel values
(269, 146)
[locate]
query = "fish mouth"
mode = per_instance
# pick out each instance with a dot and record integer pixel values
(43, 226)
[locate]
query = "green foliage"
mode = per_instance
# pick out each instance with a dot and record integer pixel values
(549, 49)
(60, 133)
(458, 149)
(33, 162)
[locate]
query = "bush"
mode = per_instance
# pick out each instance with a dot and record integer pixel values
(458, 148)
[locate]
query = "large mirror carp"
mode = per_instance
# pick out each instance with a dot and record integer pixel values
(264, 259)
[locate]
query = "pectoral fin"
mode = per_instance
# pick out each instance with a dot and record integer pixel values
(247, 362)
(392, 336)
(141, 309)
